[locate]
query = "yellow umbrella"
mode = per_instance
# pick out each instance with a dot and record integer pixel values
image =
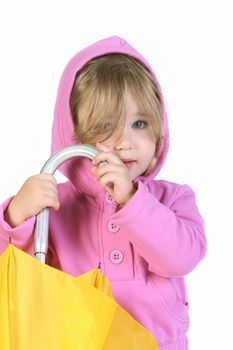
(44, 308)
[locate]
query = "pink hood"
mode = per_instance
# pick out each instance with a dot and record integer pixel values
(76, 170)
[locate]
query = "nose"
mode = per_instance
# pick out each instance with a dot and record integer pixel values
(123, 142)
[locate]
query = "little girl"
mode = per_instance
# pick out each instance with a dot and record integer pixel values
(145, 234)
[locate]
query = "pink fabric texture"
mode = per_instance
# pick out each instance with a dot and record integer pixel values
(145, 248)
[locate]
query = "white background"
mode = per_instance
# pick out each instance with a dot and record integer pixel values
(189, 45)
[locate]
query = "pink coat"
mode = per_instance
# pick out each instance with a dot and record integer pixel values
(145, 248)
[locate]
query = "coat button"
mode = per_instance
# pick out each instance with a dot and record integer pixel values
(108, 198)
(113, 227)
(116, 256)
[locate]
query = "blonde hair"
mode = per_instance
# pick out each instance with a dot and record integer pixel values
(100, 91)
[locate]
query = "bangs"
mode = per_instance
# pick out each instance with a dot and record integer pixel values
(99, 94)
(102, 113)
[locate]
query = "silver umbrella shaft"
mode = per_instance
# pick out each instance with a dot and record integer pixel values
(42, 221)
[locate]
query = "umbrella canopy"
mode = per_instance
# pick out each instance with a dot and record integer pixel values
(44, 308)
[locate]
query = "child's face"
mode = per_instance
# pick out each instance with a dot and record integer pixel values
(136, 145)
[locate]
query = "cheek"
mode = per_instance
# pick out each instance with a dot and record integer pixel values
(148, 145)
(150, 152)
(110, 141)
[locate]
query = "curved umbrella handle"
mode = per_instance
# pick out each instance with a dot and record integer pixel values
(42, 221)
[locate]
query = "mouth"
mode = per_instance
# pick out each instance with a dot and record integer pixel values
(129, 162)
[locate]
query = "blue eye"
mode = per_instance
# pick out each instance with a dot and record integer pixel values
(139, 124)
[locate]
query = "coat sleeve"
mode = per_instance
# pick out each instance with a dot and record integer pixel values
(168, 234)
(21, 236)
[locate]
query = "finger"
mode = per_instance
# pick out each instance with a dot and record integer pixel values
(42, 179)
(48, 177)
(102, 163)
(102, 147)
(109, 180)
(49, 190)
(108, 168)
(109, 157)
(51, 201)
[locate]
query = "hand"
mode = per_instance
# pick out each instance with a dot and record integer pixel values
(38, 192)
(113, 175)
